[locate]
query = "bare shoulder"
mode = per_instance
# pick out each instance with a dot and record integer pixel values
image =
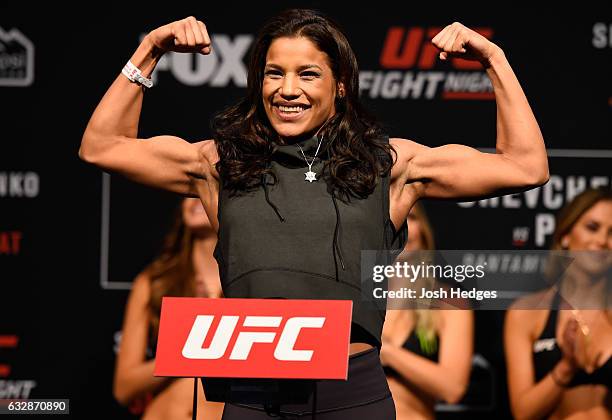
(406, 150)
(208, 150)
(406, 146)
(456, 316)
(460, 320)
(528, 313)
(208, 157)
(141, 286)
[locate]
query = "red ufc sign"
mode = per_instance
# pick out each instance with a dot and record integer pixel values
(406, 48)
(254, 338)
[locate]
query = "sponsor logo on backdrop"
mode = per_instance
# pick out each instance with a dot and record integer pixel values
(224, 66)
(520, 236)
(10, 242)
(16, 388)
(507, 262)
(551, 196)
(19, 184)
(410, 68)
(602, 38)
(12, 388)
(16, 59)
(602, 35)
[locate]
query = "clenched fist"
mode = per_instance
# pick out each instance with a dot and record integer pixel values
(457, 40)
(186, 35)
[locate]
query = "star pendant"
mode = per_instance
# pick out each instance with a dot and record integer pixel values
(310, 176)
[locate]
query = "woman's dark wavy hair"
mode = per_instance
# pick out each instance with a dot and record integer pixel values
(244, 135)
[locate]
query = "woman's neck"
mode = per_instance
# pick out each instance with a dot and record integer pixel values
(582, 291)
(296, 139)
(306, 135)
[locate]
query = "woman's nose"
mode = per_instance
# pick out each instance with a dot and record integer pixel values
(290, 87)
(601, 239)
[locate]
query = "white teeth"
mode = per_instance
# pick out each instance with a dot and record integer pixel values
(291, 108)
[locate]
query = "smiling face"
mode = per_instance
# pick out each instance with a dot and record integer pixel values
(592, 232)
(299, 88)
(194, 216)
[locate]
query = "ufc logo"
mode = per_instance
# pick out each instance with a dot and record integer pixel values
(407, 48)
(284, 351)
(520, 235)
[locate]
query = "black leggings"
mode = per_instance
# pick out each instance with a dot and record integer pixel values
(364, 395)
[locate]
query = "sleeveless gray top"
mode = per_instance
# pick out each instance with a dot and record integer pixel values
(294, 239)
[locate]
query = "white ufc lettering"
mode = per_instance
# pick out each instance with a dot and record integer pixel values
(284, 349)
(193, 348)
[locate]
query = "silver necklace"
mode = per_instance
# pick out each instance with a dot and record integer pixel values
(310, 175)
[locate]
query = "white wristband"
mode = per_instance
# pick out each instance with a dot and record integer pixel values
(134, 75)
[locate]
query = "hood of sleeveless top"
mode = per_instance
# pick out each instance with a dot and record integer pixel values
(291, 155)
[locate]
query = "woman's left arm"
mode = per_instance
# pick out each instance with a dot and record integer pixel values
(458, 171)
(448, 379)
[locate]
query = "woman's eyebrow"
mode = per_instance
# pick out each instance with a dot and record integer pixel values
(300, 68)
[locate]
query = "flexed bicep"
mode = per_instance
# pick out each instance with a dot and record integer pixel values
(111, 141)
(461, 172)
(455, 171)
(165, 162)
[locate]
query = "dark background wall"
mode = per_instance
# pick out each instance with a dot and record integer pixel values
(72, 239)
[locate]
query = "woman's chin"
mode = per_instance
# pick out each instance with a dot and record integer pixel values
(289, 134)
(293, 131)
(593, 263)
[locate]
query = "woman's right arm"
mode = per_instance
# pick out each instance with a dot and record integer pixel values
(528, 399)
(133, 373)
(111, 141)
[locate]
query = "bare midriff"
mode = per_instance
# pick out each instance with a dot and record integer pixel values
(357, 347)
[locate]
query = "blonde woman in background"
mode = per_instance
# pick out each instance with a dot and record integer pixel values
(426, 353)
(185, 267)
(559, 361)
